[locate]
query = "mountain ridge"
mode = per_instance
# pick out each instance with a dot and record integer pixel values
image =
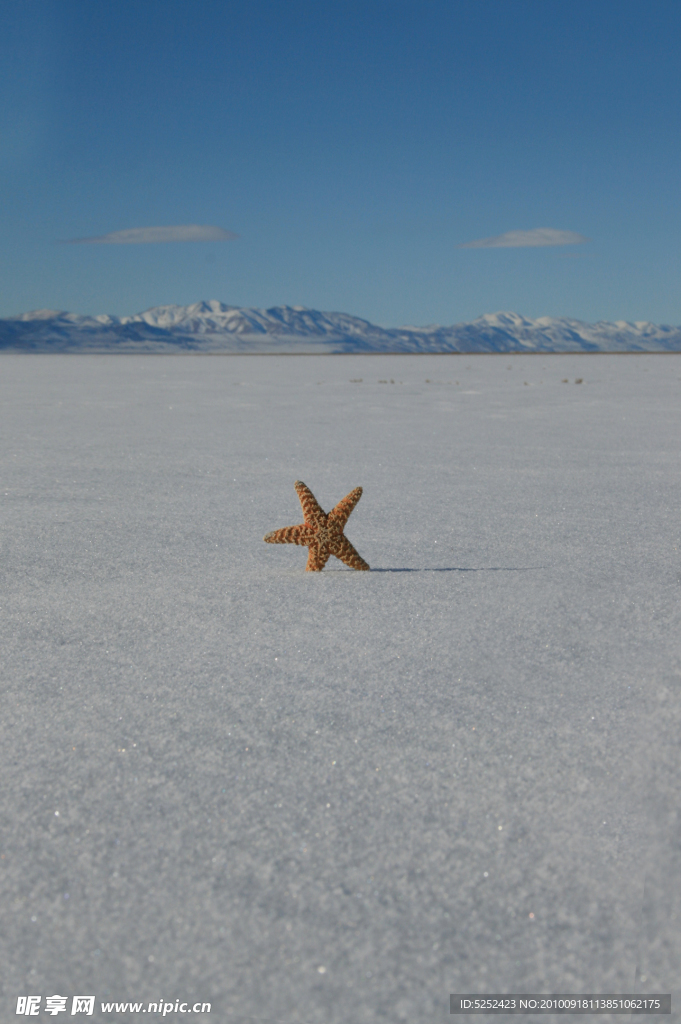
(213, 326)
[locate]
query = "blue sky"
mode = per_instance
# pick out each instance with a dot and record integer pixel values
(356, 149)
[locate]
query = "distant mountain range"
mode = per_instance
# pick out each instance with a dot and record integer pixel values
(215, 327)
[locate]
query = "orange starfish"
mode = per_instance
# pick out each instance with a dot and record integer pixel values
(321, 533)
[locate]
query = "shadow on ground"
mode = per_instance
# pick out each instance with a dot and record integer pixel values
(490, 568)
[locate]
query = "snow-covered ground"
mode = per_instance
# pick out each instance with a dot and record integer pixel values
(340, 796)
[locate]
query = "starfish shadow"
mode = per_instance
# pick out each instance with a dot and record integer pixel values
(486, 568)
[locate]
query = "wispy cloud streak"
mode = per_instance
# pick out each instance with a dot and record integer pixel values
(523, 239)
(172, 233)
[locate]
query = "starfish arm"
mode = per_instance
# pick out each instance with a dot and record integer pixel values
(316, 559)
(290, 535)
(313, 513)
(344, 550)
(340, 513)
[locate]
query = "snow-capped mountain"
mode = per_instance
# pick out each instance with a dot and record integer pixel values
(215, 327)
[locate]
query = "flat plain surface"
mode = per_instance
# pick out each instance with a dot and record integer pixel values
(339, 797)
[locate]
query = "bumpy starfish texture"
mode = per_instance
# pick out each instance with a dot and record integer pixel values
(322, 534)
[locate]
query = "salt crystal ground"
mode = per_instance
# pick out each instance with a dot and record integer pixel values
(340, 796)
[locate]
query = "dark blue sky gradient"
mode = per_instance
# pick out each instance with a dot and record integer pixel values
(352, 145)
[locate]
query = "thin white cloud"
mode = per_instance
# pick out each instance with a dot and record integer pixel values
(522, 239)
(173, 233)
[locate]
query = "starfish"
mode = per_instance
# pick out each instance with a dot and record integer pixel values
(321, 533)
